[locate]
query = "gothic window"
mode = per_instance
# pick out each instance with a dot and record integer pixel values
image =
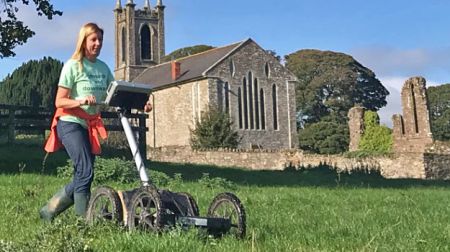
(220, 95)
(245, 102)
(263, 113)
(145, 43)
(414, 108)
(240, 107)
(267, 69)
(255, 99)
(250, 99)
(275, 107)
(232, 67)
(227, 97)
(123, 45)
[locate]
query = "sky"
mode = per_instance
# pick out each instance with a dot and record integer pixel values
(396, 39)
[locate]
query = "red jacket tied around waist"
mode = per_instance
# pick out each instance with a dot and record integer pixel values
(95, 128)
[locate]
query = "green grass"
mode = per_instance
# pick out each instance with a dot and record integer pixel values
(307, 210)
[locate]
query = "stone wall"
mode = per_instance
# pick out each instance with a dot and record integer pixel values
(437, 161)
(431, 165)
(175, 111)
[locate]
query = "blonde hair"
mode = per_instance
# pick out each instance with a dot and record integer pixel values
(85, 31)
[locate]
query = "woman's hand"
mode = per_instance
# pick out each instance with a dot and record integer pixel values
(88, 100)
(148, 106)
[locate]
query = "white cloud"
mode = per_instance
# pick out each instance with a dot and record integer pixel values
(432, 64)
(394, 85)
(394, 105)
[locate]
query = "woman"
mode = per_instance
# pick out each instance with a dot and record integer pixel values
(83, 81)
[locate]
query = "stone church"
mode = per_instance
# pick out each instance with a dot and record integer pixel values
(242, 79)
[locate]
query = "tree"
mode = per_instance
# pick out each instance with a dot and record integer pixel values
(14, 32)
(186, 51)
(328, 136)
(32, 84)
(215, 130)
(439, 105)
(331, 82)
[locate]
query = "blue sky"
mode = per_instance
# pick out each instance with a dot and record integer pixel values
(397, 39)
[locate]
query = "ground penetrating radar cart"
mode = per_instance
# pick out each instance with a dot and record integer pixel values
(148, 207)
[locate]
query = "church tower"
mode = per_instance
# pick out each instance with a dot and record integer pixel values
(139, 38)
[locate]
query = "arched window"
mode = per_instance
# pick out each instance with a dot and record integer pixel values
(245, 99)
(267, 69)
(232, 67)
(240, 107)
(275, 107)
(263, 113)
(414, 108)
(250, 99)
(123, 45)
(255, 99)
(146, 48)
(227, 97)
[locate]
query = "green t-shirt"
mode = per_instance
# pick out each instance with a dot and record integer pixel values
(93, 80)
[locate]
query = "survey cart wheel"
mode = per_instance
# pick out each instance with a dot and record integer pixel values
(145, 210)
(104, 204)
(194, 211)
(228, 206)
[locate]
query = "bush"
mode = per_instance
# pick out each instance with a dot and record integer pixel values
(215, 130)
(216, 182)
(117, 170)
(376, 138)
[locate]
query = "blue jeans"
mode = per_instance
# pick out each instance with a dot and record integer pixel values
(75, 139)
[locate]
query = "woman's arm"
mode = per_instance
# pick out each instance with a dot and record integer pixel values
(63, 101)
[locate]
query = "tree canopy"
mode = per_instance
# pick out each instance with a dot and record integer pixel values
(332, 82)
(439, 105)
(32, 84)
(328, 136)
(14, 32)
(186, 51)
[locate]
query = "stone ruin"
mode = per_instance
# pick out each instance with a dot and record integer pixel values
(356, 126)
(416, 155)
(412, 130)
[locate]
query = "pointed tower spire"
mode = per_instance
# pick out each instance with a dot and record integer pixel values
(118, 5)
(146, 4)
(159, 3)
(130, 2)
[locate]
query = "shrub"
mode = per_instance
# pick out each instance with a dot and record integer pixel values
(215, 130)
(376, 138)
(216, 182)
(117, 170)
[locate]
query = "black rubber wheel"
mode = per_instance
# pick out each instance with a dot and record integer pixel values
(145, 210)
(195, 210)
(104, 204)
(227, 205)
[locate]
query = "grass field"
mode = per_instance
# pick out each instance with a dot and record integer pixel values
(306, 210)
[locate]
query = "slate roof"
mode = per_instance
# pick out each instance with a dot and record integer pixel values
(192, 67)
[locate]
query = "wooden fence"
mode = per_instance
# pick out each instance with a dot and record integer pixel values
(38, 120)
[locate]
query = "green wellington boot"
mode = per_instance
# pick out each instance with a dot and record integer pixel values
(81, 203)
(56, 205)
